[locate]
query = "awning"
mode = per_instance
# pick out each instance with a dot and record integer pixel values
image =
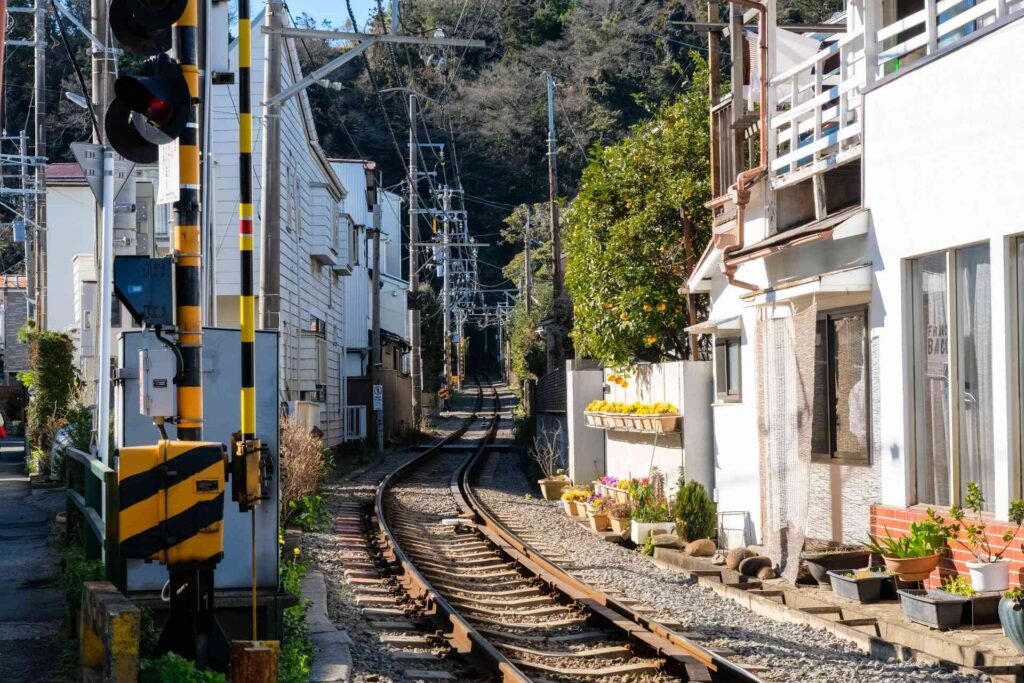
(700, 279)
(843, 224)
(856, 280)
(713, 326)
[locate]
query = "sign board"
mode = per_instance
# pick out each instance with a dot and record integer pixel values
(19, 231)
(378, 397)
(90, 158)
(168, 182)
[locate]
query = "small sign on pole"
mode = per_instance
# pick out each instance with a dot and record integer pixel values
(168, 174)
(378, 397)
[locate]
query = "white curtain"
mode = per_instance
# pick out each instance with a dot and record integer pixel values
(974, 312)
(785, 387)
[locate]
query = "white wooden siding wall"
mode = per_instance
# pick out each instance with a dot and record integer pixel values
(357, 285)
(391, 225)
(303, 283)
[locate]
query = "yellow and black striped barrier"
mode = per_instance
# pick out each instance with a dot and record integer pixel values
(172, 502)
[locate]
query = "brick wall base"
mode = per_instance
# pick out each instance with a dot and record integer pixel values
(897, 520)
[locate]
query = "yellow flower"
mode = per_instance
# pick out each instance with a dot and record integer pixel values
(651, 339)
(662, 307)
(623, 316)
(297, 551)
(647, 308)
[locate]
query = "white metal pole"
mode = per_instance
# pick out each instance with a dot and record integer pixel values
(106, 295)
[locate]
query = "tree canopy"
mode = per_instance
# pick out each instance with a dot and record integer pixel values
(624, 237)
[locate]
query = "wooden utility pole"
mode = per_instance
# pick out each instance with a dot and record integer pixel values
(528, 275)
(270, 201)
(688, 261)
(415, 355)
(375, 359)
(561, 306)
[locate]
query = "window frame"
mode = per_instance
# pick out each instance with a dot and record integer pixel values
(723, 342)
(834, 454)
(954, 352)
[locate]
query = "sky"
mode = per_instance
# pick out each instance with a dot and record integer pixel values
(335, 10)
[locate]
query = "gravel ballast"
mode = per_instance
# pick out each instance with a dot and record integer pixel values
(790, 652)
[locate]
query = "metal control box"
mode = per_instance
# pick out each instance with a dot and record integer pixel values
(157, 368)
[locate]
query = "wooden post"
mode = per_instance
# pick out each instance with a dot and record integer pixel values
(254, 661)
(714, 85)
(112, 532)
(690, 305)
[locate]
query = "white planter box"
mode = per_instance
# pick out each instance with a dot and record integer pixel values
(990, 576)
(639, 531)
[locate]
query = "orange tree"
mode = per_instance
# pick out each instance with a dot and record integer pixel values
(624, 234)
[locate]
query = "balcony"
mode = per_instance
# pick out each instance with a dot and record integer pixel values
(321, 246)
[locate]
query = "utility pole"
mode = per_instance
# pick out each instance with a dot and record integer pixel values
(446, 286)
(415, 357)
(375, 369)
(528, 277)
(270, 201)
(562, 308)
(40, 152)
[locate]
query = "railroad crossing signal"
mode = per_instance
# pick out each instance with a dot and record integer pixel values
(152, 108)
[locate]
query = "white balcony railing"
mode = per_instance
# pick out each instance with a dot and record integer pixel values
(817, 118)
(818, 108)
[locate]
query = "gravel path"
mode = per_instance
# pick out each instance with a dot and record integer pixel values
(792, 652)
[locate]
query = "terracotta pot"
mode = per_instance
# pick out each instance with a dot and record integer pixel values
(666, 423)
(619, 524)
(552, 488)
(598, 521)
(570, 507)
(912, 568)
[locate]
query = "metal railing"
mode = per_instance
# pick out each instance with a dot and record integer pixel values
(93, 510)
(355, 423)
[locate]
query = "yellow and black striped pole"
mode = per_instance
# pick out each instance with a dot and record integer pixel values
(187, 247)
(248, 447)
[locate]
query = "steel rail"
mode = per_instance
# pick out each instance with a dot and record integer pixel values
(462, 636)
(700, 663)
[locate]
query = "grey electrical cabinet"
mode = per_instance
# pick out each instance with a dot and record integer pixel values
(222, 377)
(157, 368)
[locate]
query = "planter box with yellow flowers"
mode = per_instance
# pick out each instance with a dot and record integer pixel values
(651, 418)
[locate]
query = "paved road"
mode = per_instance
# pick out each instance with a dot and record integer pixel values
(30, 603)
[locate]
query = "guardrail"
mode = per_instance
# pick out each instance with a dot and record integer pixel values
(91, 489)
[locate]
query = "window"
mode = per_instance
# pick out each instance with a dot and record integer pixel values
(951, 342)
(839, 426)
(727, 368)
(115, 312)
(353, 247)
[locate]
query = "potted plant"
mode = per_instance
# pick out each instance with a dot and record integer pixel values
(914, 556)
(597, 513)
(547, 453)
(572, 497)
(619, 515)
(648, 518)
(820, 562)
(982, 608)
(989, 571)
(936, 609)
(1011, 616)
(621, 492)
(860, 585)
(696, 514)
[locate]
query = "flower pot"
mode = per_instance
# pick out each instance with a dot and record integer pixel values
(990, 576)
(1011, 616)
(982, 609)
(936, 609)
(592, 419)
(821, 563)
(551, 489)
(639, 531)
(912, 568)
(862, 589)
(570, 507)
(621, 495)
(619, 524)
(666, 423)
(598, 520)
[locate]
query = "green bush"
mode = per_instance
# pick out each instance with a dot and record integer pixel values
(310, 513)
(172, 667)
(76, 570)
(52, 380)
(296, 646)
(696, 513)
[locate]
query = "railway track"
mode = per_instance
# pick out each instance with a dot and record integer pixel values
(512, 613)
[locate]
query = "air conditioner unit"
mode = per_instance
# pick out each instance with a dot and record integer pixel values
(306, 414)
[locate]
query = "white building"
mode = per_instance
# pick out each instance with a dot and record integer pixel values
(859, 290)
(315, 241)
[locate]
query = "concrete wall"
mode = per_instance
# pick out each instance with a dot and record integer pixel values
(71, 225)
(941, 170)
(586, 454)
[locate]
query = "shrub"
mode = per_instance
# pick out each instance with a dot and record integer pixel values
(172, 667)
(52, 380)
(304, 461)
(296, 645)
(310, 513)
(696, 513)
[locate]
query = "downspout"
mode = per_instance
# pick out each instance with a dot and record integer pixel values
(739, 192)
